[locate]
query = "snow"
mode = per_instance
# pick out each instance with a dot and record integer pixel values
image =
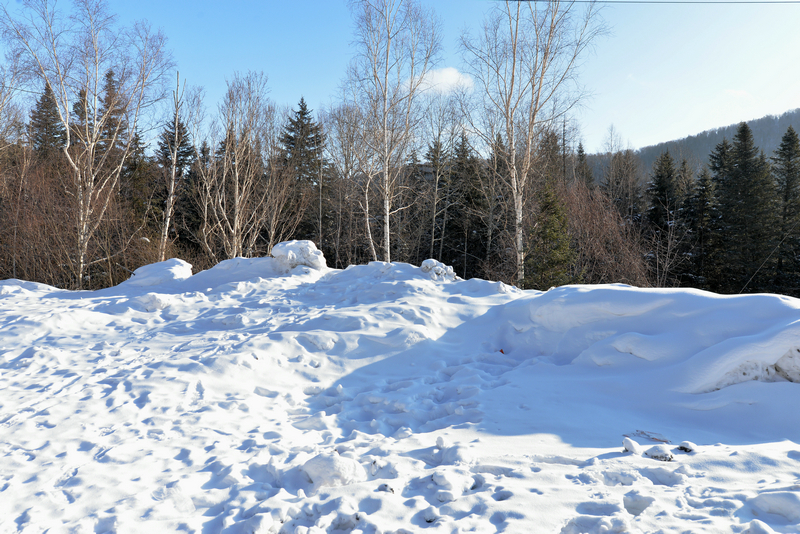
(278, 395)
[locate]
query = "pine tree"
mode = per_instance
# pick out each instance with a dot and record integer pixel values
(47, 130)
(786, 167)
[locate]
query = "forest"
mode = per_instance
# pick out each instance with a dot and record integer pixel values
(488, 179)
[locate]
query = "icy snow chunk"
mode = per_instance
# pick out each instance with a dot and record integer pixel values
(438, 271)
(788, 366)
(291, 254)
(159, 273)
(153, 302)
(631, 446)
(659, 452)
(636, 503)
(330, 469)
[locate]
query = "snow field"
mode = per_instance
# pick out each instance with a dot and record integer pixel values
(277, 395)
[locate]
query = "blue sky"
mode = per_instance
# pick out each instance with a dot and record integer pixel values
(662, 72)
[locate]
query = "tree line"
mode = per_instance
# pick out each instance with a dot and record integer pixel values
(486, 178)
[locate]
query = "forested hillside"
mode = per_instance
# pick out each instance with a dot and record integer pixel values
(767, 133)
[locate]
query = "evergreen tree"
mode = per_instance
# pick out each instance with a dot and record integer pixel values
(48, 134)
(786, 167)
(661, 193)
(747, 225)
(469, 228)
(702, 215)
(551, 258)
(114, 131)
(166, 140)
(684, 185)
(303, 141)
(583, 171)
(137, 180)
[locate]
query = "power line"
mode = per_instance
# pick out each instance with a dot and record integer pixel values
(707, 2)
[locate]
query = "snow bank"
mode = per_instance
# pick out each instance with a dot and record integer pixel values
(277, 395)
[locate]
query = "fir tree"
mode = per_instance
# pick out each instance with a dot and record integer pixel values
(47, 130)
(786, 167)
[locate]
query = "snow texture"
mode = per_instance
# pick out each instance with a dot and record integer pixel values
(277, 395)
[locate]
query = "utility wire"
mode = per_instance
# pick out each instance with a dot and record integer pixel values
(721, 2)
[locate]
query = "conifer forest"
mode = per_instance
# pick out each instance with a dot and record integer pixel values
(109, 160)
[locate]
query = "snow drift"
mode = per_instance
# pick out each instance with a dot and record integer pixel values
(278, 395)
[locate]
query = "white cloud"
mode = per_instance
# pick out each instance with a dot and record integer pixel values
(446, 80)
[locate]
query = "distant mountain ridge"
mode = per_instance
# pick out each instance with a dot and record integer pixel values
(767, 133)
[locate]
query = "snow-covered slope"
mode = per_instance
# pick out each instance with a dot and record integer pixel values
(277, 395)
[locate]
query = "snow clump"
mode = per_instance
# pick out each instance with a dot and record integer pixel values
(291, 254)
(331, 469)
(438, 271)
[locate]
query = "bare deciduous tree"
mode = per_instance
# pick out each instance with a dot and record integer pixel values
(245, 192)
(10, 113)
(187, 111)
(524, 64)
(397, 43)
(74, 55)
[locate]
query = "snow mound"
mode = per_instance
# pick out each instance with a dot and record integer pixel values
(438, 271)
(291, 254)
(781, 503)
(330, 469)
(156, 274)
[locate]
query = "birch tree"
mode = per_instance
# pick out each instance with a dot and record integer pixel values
(74, 54)
(523, 64)
(397, 42)
(185, 110)
(245, 191)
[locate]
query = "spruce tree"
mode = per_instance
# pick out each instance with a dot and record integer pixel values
(114, 131)
(747, 225)
(303, 141)
(551, 257)
(48, 134)
(166, 140)
(661, 193)
(786, 168)
(702, 216)
(469, 227)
